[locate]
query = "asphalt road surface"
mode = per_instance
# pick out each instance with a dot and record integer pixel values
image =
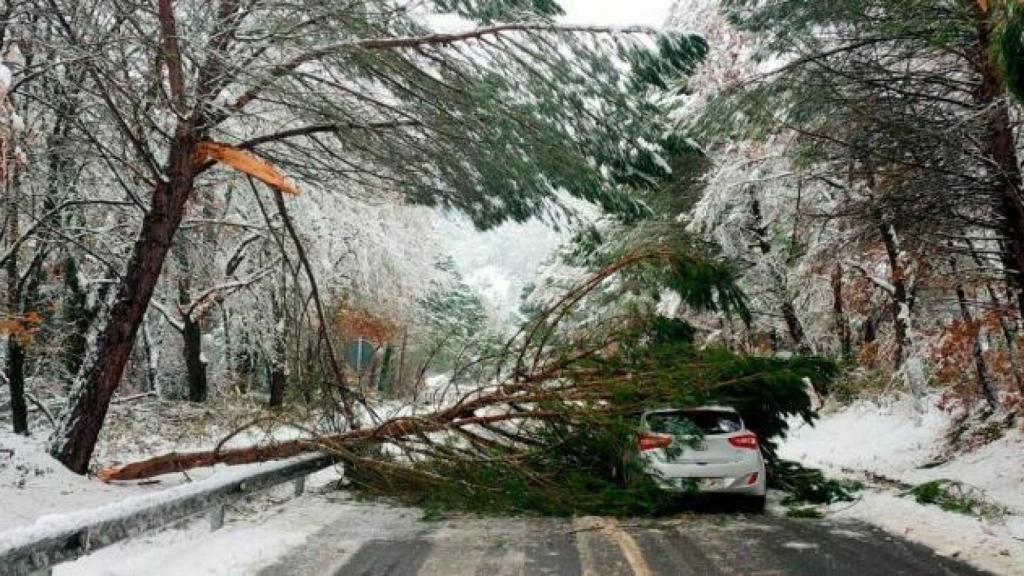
(378, 541)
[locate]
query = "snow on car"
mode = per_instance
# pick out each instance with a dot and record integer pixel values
(707, 448)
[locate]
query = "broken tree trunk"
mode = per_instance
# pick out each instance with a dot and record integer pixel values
(111, 343)
(458, 417)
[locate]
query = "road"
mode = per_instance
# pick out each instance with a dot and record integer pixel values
(383, 541)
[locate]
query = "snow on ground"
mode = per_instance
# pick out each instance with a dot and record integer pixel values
(32, 484)
(882, 439)
(41, 497)
(986, 545)
(255, 535)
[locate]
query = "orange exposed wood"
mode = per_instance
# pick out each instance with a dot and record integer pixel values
(246, 163)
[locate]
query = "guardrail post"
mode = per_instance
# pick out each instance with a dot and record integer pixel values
(300, 485)
(217, 517)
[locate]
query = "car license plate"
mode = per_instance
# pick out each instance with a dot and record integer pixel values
(711, 483)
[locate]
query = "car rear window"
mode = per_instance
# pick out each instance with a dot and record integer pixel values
(707, 421)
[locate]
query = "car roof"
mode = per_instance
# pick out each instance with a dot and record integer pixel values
(709, 408)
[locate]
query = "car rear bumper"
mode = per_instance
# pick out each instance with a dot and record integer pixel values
(731, 478)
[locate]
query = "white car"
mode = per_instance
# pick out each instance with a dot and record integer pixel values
(723, 457)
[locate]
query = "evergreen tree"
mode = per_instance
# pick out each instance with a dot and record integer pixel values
(495, 122)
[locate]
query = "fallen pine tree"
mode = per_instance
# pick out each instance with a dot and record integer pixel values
(551, 431)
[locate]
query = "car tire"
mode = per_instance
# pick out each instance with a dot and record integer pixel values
(754, 504)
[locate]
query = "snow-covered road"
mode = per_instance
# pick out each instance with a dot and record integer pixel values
(331, 534)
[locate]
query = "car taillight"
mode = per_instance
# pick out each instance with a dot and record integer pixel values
(651, 442)
(744, 441)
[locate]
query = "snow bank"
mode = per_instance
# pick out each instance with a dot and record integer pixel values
(54, 524)
(250, 541)
(881, 439)
(32, 484)
(986, 546)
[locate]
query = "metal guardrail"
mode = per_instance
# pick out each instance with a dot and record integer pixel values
(45, 546)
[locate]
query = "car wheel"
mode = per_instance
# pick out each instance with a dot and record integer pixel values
(754, 504)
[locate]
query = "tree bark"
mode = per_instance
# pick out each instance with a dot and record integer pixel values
(278, 382)
(870, 332)
(16, 382)
(15, 367)
(152, 361)
(76, 316)
(842, 323)
(910, 363)
(400, 380)
(279, 363)
(985, 383)
(455, 417)
(195, 364)
(794, 326)
(1000, 147)
(112, 339)
(191, 328)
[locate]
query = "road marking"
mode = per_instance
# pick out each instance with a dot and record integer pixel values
(610, 528)
(629, 548)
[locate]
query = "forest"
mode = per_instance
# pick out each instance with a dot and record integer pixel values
(232, 206)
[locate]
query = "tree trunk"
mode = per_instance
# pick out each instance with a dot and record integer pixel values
(152, 361)
(910, 362)
(400, 379)
(229, 366)
(195, 364)
(278, 370)
(16, 382)
(279, 363)
(191, 329)
(1000, 147)
(384, 378)
(111, 341)
(278, 381)
(793, 325)
(1009, 328)
(15, 368)
(842, 324)
(985, 383)
(76, 315)
(870, 332)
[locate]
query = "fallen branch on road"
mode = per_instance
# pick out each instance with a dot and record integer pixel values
(555, 432)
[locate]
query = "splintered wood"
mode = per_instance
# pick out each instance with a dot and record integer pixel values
(246, 163)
